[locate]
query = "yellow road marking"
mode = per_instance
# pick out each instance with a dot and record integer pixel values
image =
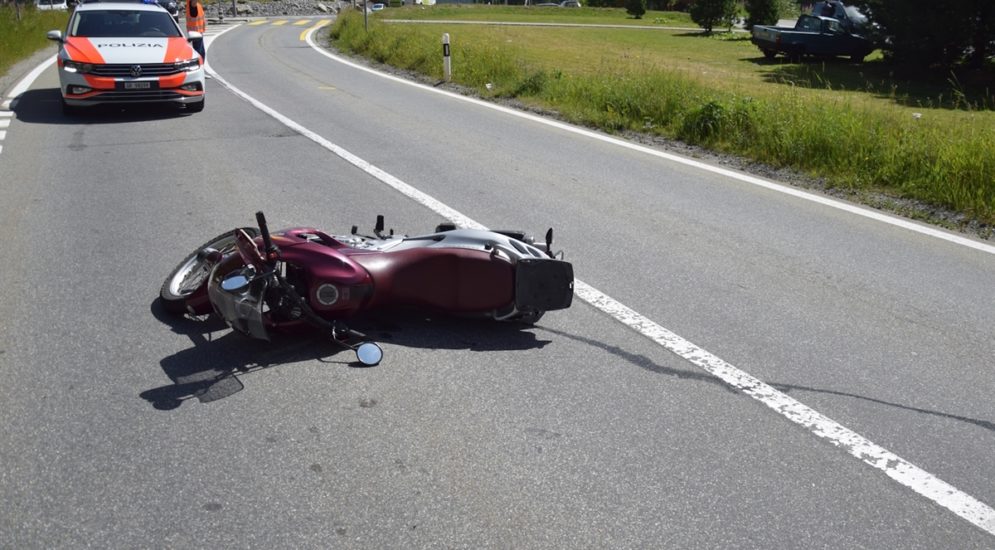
(260, 22)
(280, 22)
(320, 23)
(302, 22)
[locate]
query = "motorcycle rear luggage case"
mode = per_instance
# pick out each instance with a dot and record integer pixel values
(543, 285)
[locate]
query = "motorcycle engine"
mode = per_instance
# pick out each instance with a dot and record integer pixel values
(281, 306)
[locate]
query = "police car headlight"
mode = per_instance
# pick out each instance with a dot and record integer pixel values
(77, 67)
(188, 66)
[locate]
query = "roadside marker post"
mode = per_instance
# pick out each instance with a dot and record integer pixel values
(447, 67)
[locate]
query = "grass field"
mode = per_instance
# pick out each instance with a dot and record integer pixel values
(860, 126)
(521, 14)
(20, 39)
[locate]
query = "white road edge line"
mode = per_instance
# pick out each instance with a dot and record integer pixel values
(29, 79)
(960, 503)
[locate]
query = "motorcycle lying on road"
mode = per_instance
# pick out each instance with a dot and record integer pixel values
(294, 278)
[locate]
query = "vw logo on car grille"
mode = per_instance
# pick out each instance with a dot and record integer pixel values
(136, 71)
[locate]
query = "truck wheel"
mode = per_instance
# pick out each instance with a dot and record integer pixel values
(769, 54)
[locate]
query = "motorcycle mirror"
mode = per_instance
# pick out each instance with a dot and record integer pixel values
(369, 354)
(235, 283)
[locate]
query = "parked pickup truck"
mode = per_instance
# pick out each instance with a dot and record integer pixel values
(844, 33)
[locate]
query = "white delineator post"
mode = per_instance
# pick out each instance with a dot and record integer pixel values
(447, 66)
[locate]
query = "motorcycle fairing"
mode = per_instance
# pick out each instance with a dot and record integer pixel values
(320, 260)
(455, 280)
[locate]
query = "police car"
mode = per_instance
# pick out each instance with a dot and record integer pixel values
(126, 52)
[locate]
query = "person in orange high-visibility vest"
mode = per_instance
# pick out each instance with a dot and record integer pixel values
(196, 21)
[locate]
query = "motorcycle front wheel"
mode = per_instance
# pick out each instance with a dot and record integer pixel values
(192, 272)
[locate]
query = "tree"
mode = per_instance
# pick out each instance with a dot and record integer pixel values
(709, 14)
(926, 32)
(635, 8)
(761, 12)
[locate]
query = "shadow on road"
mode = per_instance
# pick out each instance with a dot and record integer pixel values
(788, 388)
(644, 362)
(212, 369)
(43, 106)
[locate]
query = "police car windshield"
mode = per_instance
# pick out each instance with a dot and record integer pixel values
(123, 23)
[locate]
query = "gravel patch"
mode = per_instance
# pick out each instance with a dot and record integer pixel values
(292, 8)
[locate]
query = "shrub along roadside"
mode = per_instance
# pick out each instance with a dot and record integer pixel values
(859, 148)
(20, 39)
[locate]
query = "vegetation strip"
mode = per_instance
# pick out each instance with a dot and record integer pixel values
(853, 125)
(527, 24)
(24, 34)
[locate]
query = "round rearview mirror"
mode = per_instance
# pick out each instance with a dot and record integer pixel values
(235, 283)
(369, 354)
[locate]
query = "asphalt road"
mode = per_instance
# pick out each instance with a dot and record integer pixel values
(579, 432)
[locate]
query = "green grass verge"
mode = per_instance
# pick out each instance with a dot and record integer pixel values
(521, 14)
(20, 39)
(858, 126)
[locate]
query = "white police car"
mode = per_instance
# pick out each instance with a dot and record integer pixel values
(126, 52)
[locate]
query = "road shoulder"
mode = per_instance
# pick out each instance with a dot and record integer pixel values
(21, 69)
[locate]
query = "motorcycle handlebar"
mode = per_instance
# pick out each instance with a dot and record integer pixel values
(264, 230)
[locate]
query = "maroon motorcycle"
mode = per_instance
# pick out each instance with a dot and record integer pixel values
(260, 282)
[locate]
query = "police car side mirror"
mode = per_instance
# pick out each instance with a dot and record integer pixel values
(54, 35)
(191, 36)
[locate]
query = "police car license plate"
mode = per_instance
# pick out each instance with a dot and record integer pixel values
(137, 85)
